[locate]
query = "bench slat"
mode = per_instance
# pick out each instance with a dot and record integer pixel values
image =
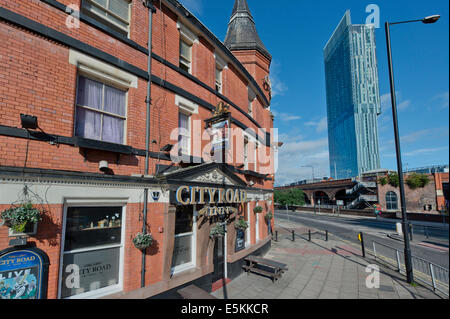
(267, 262)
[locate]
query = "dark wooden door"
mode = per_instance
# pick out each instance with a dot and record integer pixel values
(218, 259)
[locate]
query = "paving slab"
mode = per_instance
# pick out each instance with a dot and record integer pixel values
(322, 269)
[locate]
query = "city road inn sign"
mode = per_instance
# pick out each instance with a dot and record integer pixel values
(23, 273)
(214, 198)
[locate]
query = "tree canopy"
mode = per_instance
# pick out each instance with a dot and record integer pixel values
(294, 196)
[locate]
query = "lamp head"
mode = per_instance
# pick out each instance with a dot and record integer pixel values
(431, 19)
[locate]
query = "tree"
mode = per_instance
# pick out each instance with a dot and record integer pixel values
(393, 180)
(417, 180)
(383, 181)
(294, 196)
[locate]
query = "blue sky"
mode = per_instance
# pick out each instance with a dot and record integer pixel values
(295, 32)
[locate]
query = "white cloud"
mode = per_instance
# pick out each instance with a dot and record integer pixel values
(442, 100)
(286, 117)
(321, 125)
(298, 152)
(386, 103)
(425, 151)
(278, 86)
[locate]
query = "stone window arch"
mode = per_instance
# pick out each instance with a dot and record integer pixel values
(391, 201)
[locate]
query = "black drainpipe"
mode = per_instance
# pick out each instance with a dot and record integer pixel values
(151, 10)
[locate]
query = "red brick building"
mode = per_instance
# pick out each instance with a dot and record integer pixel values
(109, 137)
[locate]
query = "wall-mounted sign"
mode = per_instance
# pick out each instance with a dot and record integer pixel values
(220, 133)
(23, 273)
(189, 195)
(240, 240)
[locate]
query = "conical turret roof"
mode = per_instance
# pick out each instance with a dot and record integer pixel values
(242, 34)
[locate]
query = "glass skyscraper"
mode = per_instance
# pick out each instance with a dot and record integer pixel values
(353, 99)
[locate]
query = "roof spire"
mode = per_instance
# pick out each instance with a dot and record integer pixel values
(242, 34)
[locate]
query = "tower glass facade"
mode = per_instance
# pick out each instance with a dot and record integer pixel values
(353, 99)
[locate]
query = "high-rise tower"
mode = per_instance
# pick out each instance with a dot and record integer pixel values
(353, 99)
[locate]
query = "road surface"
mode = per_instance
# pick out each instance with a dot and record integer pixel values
(348, 228)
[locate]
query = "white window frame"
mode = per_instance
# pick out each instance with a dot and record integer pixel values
(102, 112)
(193, 263)
(108, 12)
(189, 137)
(221, 65)
(188, 108)
(89, 203)
(107, 74)
(218, 82)
(186, 61)
(245, 160)
(188, 37)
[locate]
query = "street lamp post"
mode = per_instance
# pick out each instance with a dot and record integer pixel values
(408, 262)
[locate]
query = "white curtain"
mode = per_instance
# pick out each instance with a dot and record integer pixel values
(113, 127)
(96, 125)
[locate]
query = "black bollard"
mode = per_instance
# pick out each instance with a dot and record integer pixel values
(293, 235)
(309, 234)
(326, 235)
(362, 245)
(276, 235)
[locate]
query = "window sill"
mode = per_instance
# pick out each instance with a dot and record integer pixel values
(102, 146)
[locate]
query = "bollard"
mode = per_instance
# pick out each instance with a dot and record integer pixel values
(293, 235)
(309, 234)
(326, 235)
(361, 238)
(410, 232)
(276, 235)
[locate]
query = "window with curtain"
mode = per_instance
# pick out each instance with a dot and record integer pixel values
(391, 201)
(185, 56)
(184, 134)
(100, 111)
(116, 13)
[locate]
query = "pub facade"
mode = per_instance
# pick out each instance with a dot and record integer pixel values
(108, 143)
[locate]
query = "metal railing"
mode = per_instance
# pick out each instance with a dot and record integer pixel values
(424, 270)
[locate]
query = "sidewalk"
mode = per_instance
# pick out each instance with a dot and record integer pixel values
(320, 270)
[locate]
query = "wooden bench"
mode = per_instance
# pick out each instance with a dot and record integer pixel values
(194, 292)
(277, 269)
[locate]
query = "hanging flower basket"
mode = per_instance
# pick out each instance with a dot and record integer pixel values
(142, 241)
(257, 209)
(241, 224)
(217, 231)
(19, 217)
